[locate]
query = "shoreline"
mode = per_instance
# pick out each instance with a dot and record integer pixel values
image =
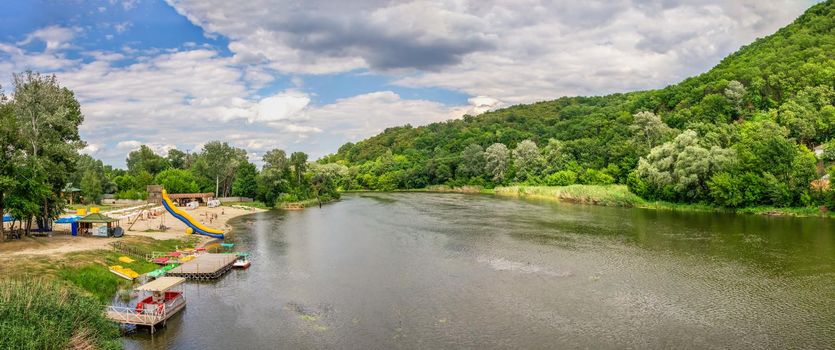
(60, 242)
(612, 196)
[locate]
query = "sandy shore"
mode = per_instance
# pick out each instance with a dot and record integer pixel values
(61, 242)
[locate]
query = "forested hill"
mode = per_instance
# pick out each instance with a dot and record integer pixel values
(755, 116)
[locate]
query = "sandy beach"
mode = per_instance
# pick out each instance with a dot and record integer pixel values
(61, 242)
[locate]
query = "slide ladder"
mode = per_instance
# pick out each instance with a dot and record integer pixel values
(181, 215)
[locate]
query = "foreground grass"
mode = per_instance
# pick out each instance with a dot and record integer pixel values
(608, 195)
(44, 314)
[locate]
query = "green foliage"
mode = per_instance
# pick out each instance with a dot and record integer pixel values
(38, 314)
(245, 184)
(177, 181)
(91, 187)
(145, 160)
(745, 122)
(561, 178)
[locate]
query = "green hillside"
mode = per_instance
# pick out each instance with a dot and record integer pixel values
(737, 135)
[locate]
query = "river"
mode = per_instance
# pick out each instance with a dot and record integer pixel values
(431, 271)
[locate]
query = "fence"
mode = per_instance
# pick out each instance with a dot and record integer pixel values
(234, 199)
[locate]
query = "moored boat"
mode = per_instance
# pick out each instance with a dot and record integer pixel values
(242, 262)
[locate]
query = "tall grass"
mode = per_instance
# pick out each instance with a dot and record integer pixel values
(42, 314)
(608, 195)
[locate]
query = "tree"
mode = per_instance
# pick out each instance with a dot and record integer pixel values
(496, 157)
(216, 165)
(679, 170)
(9, 153)
(48, 117)
(472, 161)
(245, 184)
(91, 187)
(179, 159)
(177, 181)
(649, 130)
(526, 160)
(554, 156)
(144, 159)
(299, 162)
(735, 93)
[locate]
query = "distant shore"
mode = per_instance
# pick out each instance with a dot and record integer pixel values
(617, 196)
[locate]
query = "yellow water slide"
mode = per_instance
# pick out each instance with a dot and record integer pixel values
(187, 219)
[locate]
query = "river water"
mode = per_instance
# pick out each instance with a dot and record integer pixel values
(431, 271)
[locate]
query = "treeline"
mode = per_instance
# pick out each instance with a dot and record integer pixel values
(41, 167)
(739, 135)
(217, 168)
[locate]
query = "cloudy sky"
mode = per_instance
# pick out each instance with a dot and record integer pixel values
(310, 75)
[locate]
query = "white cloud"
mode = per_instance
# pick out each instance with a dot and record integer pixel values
(54, 37)
(282, 106)
(520, 51)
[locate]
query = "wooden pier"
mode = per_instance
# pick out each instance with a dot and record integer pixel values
(204, 267)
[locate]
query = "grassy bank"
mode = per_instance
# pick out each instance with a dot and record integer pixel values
(608, 195)
(43, 314)
(620, 196)
(88, 270)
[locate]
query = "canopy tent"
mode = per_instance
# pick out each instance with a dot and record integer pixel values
(97, 218)
(161, 284)
(7, 218)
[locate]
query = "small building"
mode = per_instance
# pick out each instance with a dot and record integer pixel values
(182, 198)
(87, 223)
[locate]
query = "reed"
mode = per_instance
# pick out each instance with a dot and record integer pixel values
(607, 195)
(47, 314)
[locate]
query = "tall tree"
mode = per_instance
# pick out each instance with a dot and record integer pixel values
(497, 157)
(144, 159)
(48, 117)
(472, 161)
(245, 184)
(217, 163)
(527, 160)
(91, 187)
(299, 162)
(9, 153)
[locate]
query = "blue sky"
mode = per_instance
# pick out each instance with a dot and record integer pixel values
(312, 75)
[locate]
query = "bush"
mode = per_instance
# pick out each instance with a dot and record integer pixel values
(38, 314)
(596, 177)
(561, 178)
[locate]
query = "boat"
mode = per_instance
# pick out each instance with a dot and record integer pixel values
(154, 309)
(242, 262)
(123, 272)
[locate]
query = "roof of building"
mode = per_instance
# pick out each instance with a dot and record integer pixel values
(190, 195)
(161, 284)
(97, 218)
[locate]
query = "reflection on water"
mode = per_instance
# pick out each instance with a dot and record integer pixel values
(414, 270)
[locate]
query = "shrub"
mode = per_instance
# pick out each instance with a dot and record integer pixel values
(561, 178)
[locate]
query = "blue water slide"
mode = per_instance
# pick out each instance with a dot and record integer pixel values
(189, 224)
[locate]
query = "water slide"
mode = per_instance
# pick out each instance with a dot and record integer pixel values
(195, 225)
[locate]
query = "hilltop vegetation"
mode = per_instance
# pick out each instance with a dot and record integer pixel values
(738, 135)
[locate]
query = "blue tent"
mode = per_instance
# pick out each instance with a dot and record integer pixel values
(7, 218)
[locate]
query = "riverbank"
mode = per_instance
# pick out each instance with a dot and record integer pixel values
(78, 267)
(618, 196)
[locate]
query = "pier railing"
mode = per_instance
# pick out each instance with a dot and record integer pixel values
(123, 314)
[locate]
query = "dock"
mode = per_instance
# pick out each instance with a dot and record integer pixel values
(205, 267)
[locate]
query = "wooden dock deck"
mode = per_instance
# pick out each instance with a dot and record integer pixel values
(205, 266)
